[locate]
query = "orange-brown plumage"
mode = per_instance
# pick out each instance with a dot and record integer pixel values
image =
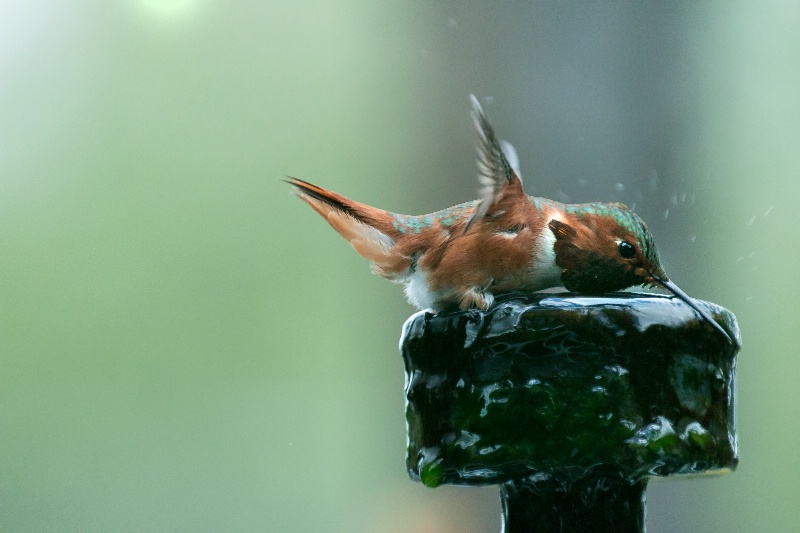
(458, 255)
(505, 241)
(368, 229)
(456, 263)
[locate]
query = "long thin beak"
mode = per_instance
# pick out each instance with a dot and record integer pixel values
(674, 289)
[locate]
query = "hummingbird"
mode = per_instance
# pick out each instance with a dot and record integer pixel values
(506, 241)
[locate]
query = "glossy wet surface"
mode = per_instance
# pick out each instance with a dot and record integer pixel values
(559, 386)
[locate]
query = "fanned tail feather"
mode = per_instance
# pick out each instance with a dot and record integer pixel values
(364, 227)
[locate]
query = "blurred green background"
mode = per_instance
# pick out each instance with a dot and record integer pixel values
(184, 346)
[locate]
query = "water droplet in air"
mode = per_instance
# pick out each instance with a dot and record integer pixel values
(653, 180)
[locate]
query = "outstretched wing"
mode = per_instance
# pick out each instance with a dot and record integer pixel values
(498, 165)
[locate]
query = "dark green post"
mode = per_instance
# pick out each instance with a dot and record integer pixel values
(569, 403)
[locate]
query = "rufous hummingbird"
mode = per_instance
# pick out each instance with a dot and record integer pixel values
(505, 241)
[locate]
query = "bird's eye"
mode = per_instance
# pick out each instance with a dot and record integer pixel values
(626, 249)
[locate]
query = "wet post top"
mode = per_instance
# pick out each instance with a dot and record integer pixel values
(569, 403)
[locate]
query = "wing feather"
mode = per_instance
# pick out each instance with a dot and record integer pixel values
(498, 164)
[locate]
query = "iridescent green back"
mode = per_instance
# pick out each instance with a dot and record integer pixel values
(446, 217)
